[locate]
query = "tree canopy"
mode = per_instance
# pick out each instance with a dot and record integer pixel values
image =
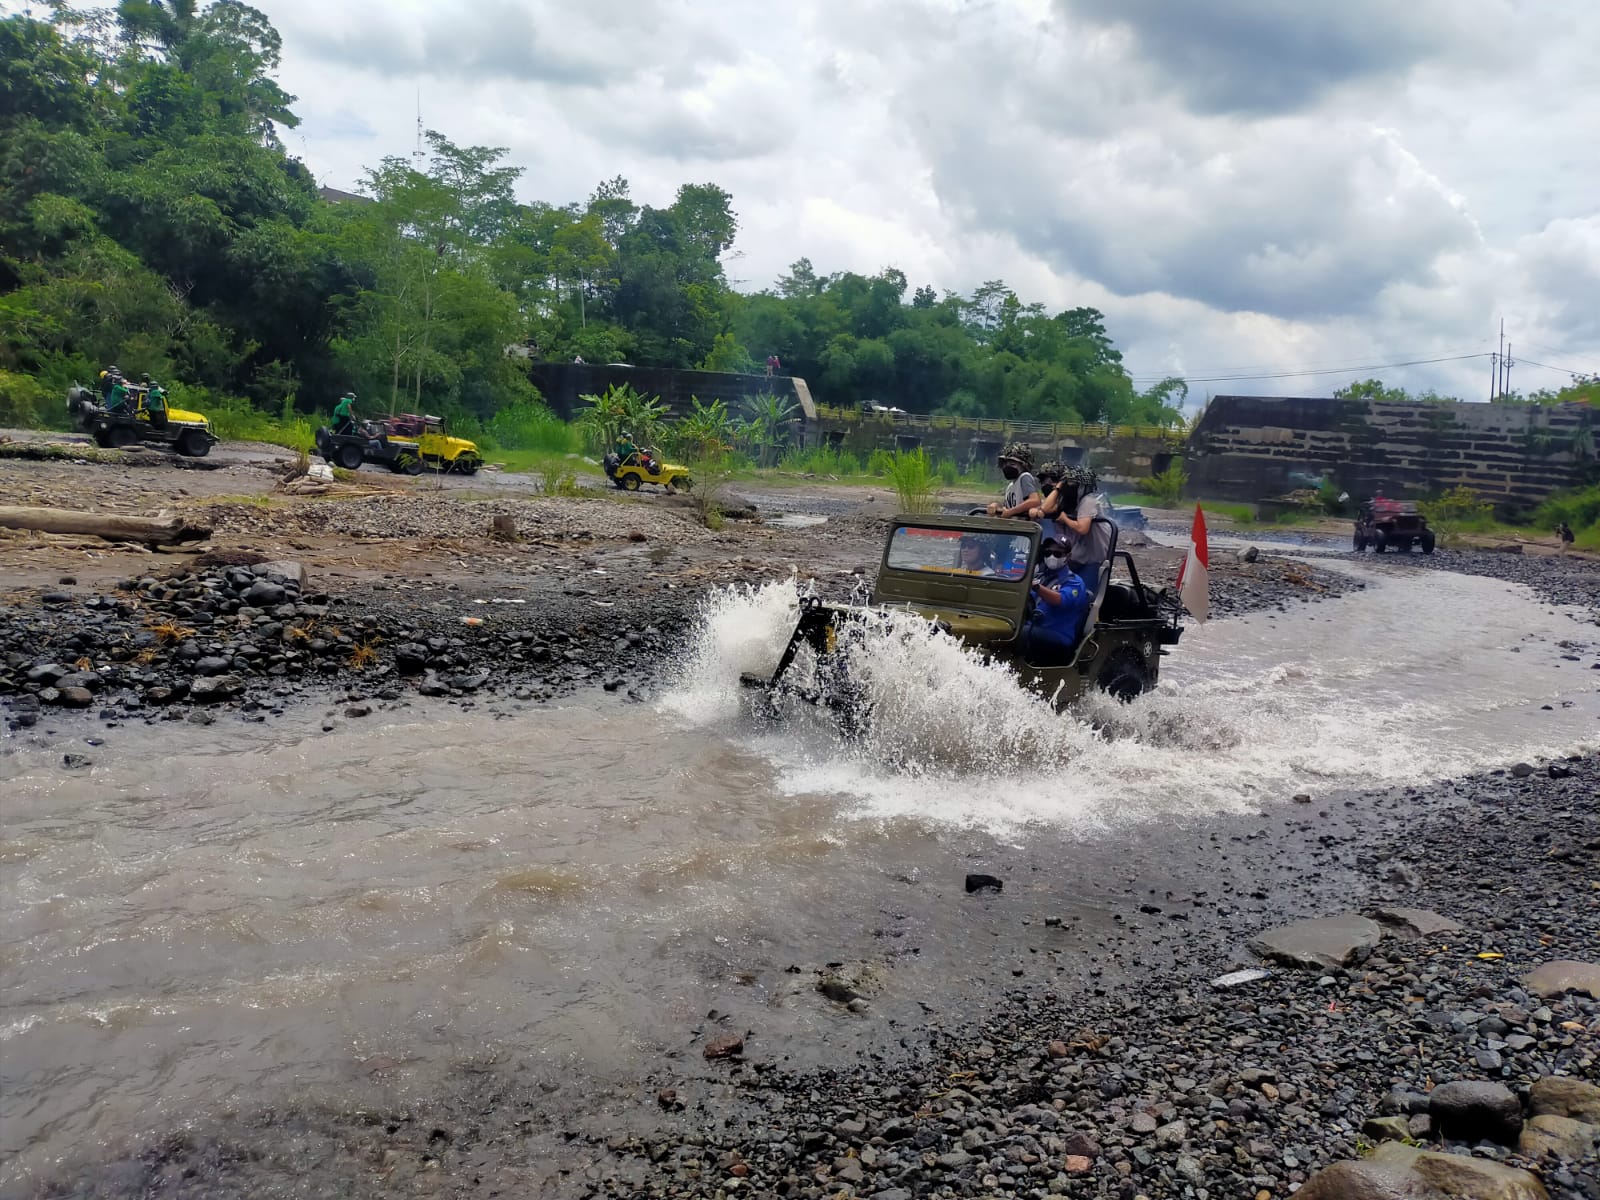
(150, 215)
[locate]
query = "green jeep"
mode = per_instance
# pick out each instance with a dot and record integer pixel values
(981, 597)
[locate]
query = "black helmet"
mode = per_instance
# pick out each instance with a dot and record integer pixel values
(145, 378)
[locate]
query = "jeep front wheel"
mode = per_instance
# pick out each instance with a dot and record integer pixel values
(192, 443)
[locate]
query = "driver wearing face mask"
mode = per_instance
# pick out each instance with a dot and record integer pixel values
(1057, 603)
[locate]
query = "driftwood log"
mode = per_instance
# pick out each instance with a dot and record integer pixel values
(163, 529)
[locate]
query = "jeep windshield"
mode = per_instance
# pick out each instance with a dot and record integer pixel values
(983, 554)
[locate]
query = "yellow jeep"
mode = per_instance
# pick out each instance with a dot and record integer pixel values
(439, 451)
(642, 466)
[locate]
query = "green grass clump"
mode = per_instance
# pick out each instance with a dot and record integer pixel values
(915, 482)
(821, 460)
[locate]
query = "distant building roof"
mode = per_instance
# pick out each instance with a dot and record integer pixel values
(335, 196)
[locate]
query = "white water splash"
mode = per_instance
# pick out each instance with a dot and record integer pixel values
(1416, 678)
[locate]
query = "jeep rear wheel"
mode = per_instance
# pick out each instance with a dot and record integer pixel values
(631, 482)
(1380, 542)
(1427, 543)
(1360, 542)
(1124, 676)
(350, 457)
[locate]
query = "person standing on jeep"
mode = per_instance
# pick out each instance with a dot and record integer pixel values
(155, 403)
(1090, 543)
(117, 395)
(344, 421)
(1022, 489)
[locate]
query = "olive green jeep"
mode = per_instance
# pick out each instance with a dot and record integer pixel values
(971, 576)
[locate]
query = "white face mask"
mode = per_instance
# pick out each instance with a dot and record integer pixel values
(1053, 561)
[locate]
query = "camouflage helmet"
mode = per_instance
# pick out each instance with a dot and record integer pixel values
(1018, 452)
(1086, 480)
(1052, 470)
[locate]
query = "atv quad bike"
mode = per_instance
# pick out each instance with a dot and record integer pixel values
(641, 467)
(187, 433)
(1384, 523)
(1118, 650)
(370, 445)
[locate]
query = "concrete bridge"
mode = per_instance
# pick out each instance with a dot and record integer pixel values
(1514, 455)
(1122, 453)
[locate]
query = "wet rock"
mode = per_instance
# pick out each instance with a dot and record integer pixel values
(76, 762)
(1397, 1172)
(1565, 975)
(1402, 876)
(1413, 923)
(46, 674)
(215, 688)
(1338, 941)
(283, 571)
(70, 697)
(984, 883)
(726, 1045)
(1560, 1096)
(1562, 1137)
(212, 665)
(1522, 770)
(264, 593)
(668, 1099)
(358, 710)
(1468, 1110)
(1249, 554)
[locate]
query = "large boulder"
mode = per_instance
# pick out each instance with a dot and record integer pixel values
(214, 688)
(1398, 1172)
(1320, 943)
(1561, 1137)
(1564, 975)
(1559, 1096)
(1470, 1109)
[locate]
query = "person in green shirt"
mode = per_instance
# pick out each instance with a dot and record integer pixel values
(344, 420)
(625, 449)
(155, 403)
(117, 398)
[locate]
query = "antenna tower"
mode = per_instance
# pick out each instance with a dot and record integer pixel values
(417, 155)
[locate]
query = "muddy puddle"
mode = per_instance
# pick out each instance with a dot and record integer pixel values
(204, 918)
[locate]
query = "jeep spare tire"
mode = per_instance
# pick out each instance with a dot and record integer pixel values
(1124, 676)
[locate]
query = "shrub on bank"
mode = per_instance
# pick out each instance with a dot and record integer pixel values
(23, 401)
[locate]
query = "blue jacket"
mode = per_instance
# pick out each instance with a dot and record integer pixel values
(1062, 619)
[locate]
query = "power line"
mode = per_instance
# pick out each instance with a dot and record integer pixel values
(1528, 362)
(1307, 371)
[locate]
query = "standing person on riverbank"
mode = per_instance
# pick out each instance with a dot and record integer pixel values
(1565, 537)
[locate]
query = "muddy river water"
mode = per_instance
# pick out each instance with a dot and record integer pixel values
(211, 916)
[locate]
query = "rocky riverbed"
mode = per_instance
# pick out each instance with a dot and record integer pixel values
(1125, 1071)
(1450, 1009)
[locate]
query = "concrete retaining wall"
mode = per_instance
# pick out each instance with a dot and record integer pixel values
(1255, 447)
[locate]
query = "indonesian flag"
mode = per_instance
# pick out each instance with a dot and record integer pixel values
(1194, 576)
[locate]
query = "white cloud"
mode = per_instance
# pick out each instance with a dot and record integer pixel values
(1239, 183)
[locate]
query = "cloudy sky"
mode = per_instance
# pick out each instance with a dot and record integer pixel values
(1246, 188)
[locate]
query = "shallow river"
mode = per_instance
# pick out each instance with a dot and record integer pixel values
(213, 916)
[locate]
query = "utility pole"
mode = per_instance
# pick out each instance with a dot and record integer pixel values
(1506, 364)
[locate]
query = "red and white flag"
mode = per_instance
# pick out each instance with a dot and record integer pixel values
(1194, 576)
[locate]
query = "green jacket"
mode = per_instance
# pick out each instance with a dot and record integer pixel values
(118, 397)
(155, 400)
(341, 410)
